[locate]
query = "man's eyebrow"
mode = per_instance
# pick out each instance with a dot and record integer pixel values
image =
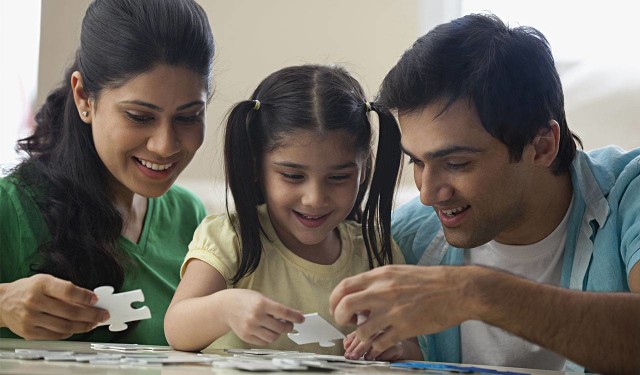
(445, 152)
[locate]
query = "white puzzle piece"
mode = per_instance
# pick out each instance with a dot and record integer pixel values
(315, 329)
(130, 348)
(119, 307)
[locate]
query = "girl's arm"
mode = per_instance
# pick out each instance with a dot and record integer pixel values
(203, 310)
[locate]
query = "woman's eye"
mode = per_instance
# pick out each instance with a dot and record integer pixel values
(189, 119)
(138, 117)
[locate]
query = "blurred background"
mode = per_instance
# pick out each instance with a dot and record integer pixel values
(595, 45)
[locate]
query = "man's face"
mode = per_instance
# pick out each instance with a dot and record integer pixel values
(466, 175)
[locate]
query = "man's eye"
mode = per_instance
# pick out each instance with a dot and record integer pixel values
(457, 166)
(414, 161)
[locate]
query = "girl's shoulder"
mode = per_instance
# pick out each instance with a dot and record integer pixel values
(352, 228)
(216, 230)
(351, 232)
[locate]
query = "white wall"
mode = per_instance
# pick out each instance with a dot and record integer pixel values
(18, 74)
(254, 38)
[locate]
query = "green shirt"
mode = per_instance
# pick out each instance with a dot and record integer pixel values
(167, 230)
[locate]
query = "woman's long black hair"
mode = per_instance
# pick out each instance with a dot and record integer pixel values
(310, 97)
(120, 39)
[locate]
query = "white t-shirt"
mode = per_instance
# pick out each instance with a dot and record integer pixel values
(484, 344)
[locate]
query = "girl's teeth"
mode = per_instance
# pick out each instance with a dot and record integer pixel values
(310, 217)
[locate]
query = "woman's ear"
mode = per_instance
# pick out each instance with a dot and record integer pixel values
(81, 98)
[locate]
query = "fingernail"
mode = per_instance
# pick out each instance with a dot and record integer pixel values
(105, 316)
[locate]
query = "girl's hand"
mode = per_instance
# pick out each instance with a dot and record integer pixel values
(356, 349)
(257, 319)
(43, 307)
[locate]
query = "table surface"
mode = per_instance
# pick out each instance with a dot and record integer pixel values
(16, 366)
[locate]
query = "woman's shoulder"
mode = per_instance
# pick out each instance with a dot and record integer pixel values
(15, 192)
(181, 194)
(179, 199)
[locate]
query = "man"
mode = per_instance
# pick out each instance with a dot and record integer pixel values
(532, 245)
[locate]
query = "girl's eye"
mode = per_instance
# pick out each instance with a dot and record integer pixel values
(138, 118)
(292, 176)
(339, 178)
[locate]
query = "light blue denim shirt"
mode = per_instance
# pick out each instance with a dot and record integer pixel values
(603, 239)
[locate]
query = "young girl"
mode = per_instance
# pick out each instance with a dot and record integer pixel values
(298, 164)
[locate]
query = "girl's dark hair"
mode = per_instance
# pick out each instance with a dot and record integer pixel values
(509, 75)
(120, 39)
(318, 98)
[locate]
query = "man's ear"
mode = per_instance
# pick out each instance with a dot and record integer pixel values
(81, 98)
(546, 144)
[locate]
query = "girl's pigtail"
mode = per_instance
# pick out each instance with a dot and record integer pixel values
(242, 176)
(376, 221)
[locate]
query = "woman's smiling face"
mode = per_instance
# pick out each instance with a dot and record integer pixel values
(147, 130)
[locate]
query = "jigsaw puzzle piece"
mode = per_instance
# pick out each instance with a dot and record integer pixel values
(315, 329)
(119, 307)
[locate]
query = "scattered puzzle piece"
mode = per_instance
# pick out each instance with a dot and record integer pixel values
(315, 329)
(119, 307)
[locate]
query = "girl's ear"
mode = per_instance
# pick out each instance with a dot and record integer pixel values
(363, 174)
(81, 98)
(367, 165)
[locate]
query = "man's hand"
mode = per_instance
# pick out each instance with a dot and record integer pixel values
(404, 301)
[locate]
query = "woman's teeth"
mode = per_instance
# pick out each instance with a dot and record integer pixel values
(155, 167)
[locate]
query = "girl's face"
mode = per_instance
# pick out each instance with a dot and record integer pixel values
(148, 130)
(310, 185)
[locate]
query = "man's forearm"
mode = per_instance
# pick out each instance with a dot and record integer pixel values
(600, 331)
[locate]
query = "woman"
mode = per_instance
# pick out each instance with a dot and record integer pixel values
(93, 204)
